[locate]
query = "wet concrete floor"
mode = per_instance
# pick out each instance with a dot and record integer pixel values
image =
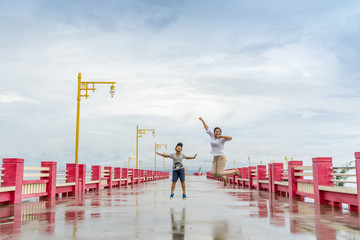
(145, 211)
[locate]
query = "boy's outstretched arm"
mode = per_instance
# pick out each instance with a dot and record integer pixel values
(205, 126)
(191, 157)
(163, 155)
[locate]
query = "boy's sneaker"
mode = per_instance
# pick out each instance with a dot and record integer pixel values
(184, 196)
(171, 196)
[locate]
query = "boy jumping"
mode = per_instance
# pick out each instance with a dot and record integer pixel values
(178, 168)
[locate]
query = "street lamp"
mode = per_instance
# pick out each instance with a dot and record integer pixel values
(129, 159)
(157, 147)
(139, 133)
(86, 86)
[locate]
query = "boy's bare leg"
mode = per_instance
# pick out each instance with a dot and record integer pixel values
(173, 187)
(183, 186)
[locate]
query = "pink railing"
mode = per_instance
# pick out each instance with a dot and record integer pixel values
(19, 182)
(316, 181)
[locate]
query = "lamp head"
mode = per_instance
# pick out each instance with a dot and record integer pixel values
(112, 90)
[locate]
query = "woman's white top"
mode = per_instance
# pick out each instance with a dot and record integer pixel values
(217, 145)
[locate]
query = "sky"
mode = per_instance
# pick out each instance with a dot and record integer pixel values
(281, 77)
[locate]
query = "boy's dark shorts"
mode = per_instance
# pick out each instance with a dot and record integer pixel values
(180, 173)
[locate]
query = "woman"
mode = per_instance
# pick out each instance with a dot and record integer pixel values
(217, 149)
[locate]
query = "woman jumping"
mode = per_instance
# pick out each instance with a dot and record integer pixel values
(217, 149)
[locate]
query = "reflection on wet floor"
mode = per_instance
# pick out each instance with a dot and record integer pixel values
(143, 212)
(325, 222)
(220, 230)
(178, 226)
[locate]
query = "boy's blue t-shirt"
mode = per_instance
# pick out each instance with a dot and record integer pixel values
(177, 160)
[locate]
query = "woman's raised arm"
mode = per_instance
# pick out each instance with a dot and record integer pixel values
(205, 126)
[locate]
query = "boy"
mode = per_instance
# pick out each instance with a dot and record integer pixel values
(178, 168)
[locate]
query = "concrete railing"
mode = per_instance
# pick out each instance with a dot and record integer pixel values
(316, 181)
(19, 182)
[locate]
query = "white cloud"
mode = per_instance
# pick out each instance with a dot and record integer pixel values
(12, 98)
(280, 78)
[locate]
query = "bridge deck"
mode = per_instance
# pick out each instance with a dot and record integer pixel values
(144, 211)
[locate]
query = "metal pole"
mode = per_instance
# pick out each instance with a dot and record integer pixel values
(137, 141)
(77, 121)
(155, 157)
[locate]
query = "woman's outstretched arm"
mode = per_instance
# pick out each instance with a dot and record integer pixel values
(205, 126)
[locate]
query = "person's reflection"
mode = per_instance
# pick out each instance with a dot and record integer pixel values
(178, 228)
(220, 230)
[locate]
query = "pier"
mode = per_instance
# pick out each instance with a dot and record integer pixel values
(142, 210)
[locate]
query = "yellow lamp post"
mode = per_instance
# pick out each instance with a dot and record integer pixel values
(249, 160)
(129, 159)
(157, 147)
(86, 86)
(139, 133)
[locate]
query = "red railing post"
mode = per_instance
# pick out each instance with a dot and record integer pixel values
(251, 186)
(51, 185)
(357, 171)
(142, 179)
(117, 175)
(276, 174)
(243, 176)
(96, 175)
(321, 175)
(260, 175)
(135, 176)
(110, 176)
(271, 179)
(246, 176)
(13, 176)
(73, 175)
(292, 178)
(143, 175)
(131, 170)
(125, 175)
(82, 178)
(155, 175)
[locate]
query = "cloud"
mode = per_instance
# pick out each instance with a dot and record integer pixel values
(12, 98)
(280, 77)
